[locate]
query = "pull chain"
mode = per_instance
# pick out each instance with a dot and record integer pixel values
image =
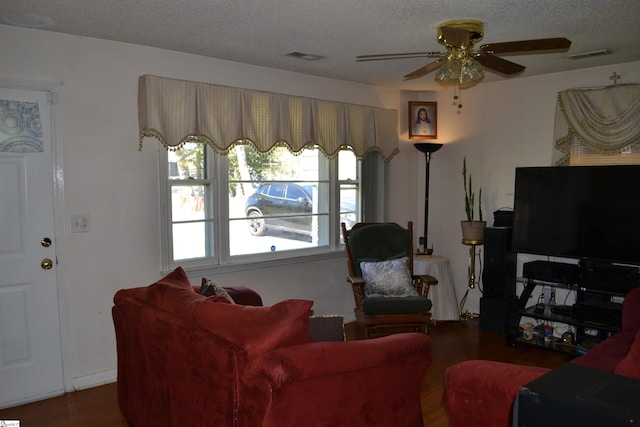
(457, 97)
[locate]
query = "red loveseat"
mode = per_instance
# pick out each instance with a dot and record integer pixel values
(481, 393)
(188, 360)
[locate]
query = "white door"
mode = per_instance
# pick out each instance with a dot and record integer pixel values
(30, 350)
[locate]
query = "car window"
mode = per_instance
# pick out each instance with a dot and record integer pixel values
(294, 193)
(277, 190)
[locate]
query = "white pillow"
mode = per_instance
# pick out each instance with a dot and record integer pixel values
(388, 278)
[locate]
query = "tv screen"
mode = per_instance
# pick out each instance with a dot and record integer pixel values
(583, 212)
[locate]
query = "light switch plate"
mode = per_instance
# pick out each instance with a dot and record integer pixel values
(80, 223)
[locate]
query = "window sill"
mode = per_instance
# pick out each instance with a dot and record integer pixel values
(260, 264)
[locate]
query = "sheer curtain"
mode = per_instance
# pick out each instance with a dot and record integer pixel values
(177, 111)
(598, 126)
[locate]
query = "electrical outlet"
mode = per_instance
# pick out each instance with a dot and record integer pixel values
(80, 223)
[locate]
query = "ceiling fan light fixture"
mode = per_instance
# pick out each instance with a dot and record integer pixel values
(460, 71)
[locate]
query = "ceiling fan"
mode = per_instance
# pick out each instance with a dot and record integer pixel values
(462, 63)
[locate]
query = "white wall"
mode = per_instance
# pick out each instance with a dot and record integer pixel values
(502, 125)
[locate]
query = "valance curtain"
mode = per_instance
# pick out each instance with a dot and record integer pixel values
(178, 111)
(603, 121)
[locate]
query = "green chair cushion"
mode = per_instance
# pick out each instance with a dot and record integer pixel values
(395, 305)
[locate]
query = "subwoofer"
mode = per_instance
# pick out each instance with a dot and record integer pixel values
(499, 273)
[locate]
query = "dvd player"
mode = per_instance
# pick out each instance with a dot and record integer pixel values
(553, 272)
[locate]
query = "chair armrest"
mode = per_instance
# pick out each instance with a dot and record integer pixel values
(356, 280)
(320, 359)
(357, 285)
(422, 283)
(426, 279)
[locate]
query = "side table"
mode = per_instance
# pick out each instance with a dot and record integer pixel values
(443, 296)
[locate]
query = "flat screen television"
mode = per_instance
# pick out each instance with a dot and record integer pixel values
(581, 212)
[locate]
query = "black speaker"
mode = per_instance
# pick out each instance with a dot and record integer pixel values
(494, 314)
(499, 273)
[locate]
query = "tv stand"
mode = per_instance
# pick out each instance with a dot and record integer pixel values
(594, 316)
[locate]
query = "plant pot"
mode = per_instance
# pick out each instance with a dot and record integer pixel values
(473, 232)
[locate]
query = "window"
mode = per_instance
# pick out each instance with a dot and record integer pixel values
(246, 205)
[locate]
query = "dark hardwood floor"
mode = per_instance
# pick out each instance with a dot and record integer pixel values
(452, 342)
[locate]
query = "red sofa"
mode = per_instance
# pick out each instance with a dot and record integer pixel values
(481, 393)
(188, 360)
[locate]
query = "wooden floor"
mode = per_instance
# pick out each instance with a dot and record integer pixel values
(452, 342)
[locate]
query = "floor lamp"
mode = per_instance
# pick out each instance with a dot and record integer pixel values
(427, 148)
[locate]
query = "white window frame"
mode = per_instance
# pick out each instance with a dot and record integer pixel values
(221, 260)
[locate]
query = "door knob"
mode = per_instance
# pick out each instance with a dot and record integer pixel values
(46, 264)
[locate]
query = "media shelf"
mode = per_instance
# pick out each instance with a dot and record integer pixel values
(550, 317)
(594, 317)
(554, 345)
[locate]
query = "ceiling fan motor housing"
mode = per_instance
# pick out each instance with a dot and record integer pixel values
(461, 33)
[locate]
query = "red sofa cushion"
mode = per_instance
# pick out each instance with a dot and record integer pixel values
(630, 317)
(172, 290)
(630, 365)
(607, 354)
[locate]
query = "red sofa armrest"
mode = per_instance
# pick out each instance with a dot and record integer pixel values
(243, 295)
(356, 383)
(481, 393)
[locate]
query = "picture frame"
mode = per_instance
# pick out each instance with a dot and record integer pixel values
(423, 129)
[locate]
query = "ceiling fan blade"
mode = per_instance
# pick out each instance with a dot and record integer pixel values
(527, 46)
(495, 63)
(452, 36)
(425, 70)
(361, 58)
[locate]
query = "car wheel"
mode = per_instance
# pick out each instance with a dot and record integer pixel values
(257, 227)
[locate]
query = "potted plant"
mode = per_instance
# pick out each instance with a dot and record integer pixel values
(472, 230)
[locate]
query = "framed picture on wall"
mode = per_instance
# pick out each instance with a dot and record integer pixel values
(423, 122)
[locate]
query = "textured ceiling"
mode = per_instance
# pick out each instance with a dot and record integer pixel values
(261, 32)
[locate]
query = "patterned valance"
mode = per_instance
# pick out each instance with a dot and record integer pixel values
(604, 120)
(178, 111)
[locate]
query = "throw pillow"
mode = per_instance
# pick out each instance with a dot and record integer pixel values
(388, 278)
(210, 288)
(630, 365)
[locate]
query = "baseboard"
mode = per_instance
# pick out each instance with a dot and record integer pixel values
(94, 380)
